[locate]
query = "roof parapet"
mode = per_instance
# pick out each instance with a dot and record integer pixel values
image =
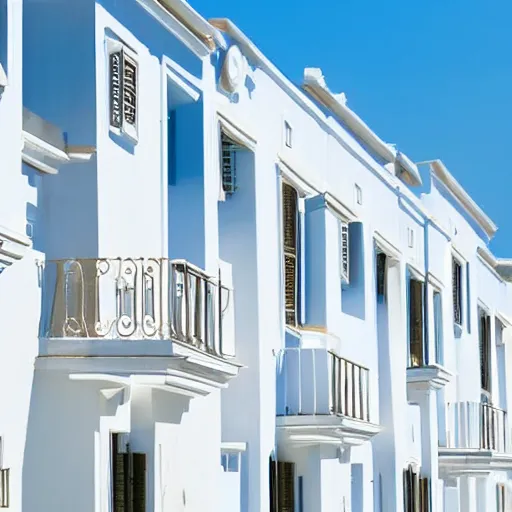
(314, 83)
(439, 170)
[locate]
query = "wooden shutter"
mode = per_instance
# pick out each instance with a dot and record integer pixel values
(485, 331)
(286, 487)
(424, 495)
(290, 220)
(381, 274)
(415, 322)
(273, 484)
(457, 291)
(139, 482)
(500, 498)
(118, 475)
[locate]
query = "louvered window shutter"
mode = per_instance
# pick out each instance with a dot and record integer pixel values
(273, 484)
(286, 486)
(424, 495)
(485, 332)
(381, 274)
(118, 475)
(290, 220)
(228, 164)
(344, 251)
(139, 482)
(457, 292)
(416, 322)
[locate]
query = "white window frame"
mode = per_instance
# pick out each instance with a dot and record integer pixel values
(463, 310)
(131, 131)
(288, 135)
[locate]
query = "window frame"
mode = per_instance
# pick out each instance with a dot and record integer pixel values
(127, 129)
(484, 316)
(413, 276)
(456, 260)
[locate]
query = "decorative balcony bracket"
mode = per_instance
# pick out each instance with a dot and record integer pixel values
(12, 247)
(424, 378)
(324, 429)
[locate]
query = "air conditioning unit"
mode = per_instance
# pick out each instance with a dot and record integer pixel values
(228, 164)
(344, 253)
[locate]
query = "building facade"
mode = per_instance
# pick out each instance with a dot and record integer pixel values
(223, 291)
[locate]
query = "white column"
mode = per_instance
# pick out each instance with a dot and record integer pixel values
(467, 489)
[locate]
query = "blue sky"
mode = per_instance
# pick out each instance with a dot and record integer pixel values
(434, 77)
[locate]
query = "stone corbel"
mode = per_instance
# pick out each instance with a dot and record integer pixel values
(12, 247)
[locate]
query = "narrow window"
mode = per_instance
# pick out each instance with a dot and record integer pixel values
(290, 249)
(484, 345)
(381, 275)
(123, 70)
(228, 163)
(416, 357)
(288, 134)
(500, 498)
(468, 298)
(438, 327)
(282, 486)
(344, 252)
(457, 291)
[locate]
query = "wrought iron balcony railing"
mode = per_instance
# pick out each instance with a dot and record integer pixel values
(477, 425)
(137, 299)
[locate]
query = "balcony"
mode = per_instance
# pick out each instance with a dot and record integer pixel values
(170, 311)
(322, 398)
(477, 438)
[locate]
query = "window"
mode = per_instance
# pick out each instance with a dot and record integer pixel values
(291, 252)
(416, 491)
(288, 134)
(381, 274)
(128, 477)
(344, 252)
(501, 498)
(228, 164)
(457, 291)
(359, 194)
(282, 486)
(410, 238)
(416, 336)
(438, 327)
(123, 77)
(230, 461)
(484, 336)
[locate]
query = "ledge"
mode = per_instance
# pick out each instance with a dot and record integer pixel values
(12, 247)
(186, 372)
(328, 429)
(44, 147)
(457, 461)
(427, 377)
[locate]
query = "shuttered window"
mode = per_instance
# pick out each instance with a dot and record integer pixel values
(501, 498)
(228, 163)
(344, 251)
(457, 291)
(282, 486)
(416, 492)
(290, 248)
(415, 323)
(128, 479)
(381, 274)
(484, 345)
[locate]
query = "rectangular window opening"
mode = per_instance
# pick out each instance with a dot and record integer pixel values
(457, 291)
(416, 327)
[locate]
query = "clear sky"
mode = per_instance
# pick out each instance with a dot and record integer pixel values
(433, 76)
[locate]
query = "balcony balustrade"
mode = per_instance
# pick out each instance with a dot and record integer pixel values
(475, 425)
(323, 398)
(139, 299)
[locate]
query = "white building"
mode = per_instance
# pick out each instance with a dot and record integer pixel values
(225, 292)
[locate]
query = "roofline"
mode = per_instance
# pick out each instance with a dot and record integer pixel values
(503, 266)
(439, 170)
(193, 21)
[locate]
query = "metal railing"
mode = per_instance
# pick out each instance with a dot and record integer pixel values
(349, 388)
(136, 298)
(478, 426)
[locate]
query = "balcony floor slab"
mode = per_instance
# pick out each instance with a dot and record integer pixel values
(455, 462)
(329, 429)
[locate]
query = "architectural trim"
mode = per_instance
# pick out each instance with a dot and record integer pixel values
(233, 447)
(235, 131)
(435, 281)
(465, 461)
(289, 172)
(12, 247)
(179, 18)
(339, 208)
(503, 266)
(439, 170)
(324, 429)
(387, 247)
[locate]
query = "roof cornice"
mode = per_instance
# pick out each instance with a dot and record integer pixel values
(440, 171)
